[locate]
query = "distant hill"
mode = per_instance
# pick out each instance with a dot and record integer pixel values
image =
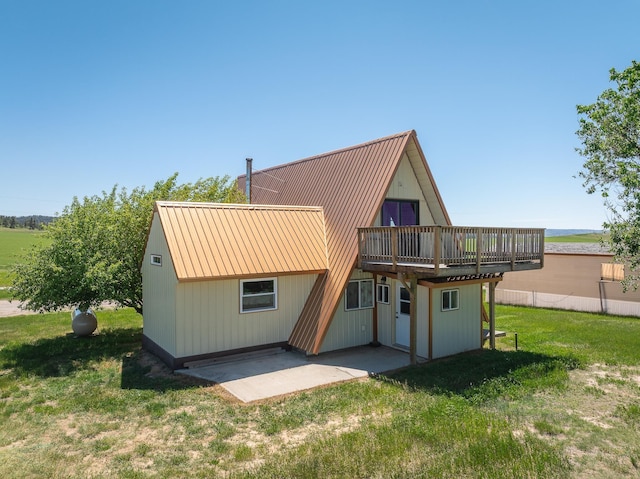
(570, 232)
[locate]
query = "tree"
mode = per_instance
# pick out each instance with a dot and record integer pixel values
(610, 135)
(95, 248)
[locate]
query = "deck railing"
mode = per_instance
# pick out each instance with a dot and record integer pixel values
(440, 247)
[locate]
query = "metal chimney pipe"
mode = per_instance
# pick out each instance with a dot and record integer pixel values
(247, 186)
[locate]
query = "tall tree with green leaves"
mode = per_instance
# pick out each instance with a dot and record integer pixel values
(95, 248)
(610, 135)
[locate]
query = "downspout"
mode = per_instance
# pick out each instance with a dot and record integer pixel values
(247, 185)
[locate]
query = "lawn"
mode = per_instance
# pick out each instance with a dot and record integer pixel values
(14, 243)
(581, 238)
(566, 404)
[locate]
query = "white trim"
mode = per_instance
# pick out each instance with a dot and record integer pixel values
(360, 306)
(452, 307)
(379, 288)
(155, 259)
(273, 293)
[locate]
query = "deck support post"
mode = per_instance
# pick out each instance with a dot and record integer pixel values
(492, 315)
(374, 313)
(412, 287)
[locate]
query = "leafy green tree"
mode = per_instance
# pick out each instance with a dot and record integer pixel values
(610, 135)
(95, 247)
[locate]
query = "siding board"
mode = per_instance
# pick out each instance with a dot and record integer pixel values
(209, 322)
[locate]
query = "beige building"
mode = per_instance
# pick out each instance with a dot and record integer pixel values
(576, 276)
(343, 249)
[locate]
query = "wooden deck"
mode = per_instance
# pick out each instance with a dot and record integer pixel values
(443, 251)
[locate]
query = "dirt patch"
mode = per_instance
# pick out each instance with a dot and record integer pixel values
(595, 439)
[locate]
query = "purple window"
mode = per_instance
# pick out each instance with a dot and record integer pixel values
(399, 213)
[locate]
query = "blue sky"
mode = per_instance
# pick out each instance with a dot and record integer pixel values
(94, 94)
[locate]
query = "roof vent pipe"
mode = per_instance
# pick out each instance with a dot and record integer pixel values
(248, 180)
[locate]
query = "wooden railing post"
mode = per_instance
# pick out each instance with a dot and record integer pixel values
(360, 248)
(394, 247)
(437, 246)
(479, 247)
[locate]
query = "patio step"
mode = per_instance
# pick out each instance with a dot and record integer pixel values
(234, 357)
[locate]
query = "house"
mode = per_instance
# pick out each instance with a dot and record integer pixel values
(576, 276)
(343, 249)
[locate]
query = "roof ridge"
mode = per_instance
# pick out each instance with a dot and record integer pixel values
(244, 206)
(333, 152)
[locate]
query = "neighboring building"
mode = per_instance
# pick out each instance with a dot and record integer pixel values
(366, 254)
(576, 276)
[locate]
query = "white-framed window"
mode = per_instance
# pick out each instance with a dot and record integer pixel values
(359, 294)
(156, 259)
(382, 293)
(450, 300)
(258, 294)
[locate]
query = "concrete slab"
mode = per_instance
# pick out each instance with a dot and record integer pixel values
(256, 377)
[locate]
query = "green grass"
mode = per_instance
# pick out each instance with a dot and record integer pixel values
(13, 244)
(581, 238)
(564, 405)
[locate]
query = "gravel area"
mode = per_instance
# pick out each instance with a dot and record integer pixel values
(575, 248)
(12, 308)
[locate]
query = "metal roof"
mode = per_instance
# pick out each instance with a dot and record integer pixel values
(350, 184)
(221, 240)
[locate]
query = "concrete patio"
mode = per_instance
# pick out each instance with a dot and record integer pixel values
(265, 374)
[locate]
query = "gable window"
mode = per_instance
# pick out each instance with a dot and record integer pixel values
(400, 213)
(258, 295)
(156, 259)
(382, 293)
(359, 294)
(450, 299)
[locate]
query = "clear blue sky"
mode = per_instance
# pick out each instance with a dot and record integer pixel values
(98, 93)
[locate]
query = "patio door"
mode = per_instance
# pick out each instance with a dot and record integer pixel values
(403, 307)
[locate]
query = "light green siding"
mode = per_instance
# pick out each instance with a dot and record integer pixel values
(459, 330)
(405, 187)
(159, 291)
(350, 328)
(209, 318)
(387, 319)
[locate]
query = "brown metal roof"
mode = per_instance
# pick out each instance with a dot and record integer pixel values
(350, 184)
(216, 240)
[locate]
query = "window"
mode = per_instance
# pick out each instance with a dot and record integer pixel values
(359, 294)
(156, 259)
(611, 272)
(258, 295)
(382, 293)
(399, 213)
(450, 299)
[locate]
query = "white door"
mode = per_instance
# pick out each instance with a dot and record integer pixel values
(403, 306)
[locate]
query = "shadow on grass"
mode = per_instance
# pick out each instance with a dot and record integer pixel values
(143, 371)
(65, 355)
(487, 374)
